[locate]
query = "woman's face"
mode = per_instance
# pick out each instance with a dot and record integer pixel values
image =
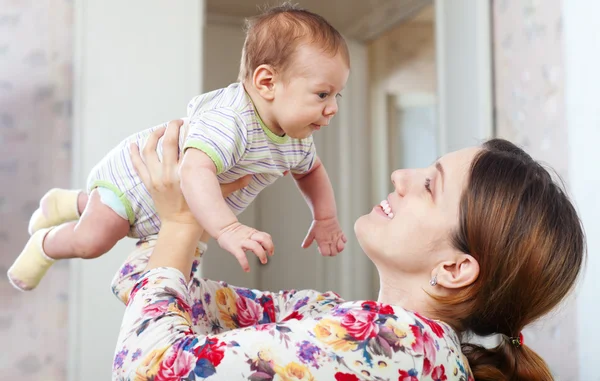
(410, 231)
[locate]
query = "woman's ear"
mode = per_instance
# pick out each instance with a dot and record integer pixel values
(460, 272)
(263, 80)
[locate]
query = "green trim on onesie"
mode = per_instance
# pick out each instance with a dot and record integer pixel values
(120, 195)
(270, 134)
(208, 150)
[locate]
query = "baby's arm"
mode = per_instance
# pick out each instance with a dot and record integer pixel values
(318, 193)
(202, 192)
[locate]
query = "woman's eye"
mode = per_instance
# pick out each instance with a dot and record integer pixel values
(323, 95)
(428, 185)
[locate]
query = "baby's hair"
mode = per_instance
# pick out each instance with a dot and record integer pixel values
(273, 37)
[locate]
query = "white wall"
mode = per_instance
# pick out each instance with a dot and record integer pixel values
(464, 66)
(529, 103)
(137, 64)
(402, 63)
(582, 59)
(223, 42)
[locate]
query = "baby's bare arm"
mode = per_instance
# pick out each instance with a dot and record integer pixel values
(202, 192)
(317, 191)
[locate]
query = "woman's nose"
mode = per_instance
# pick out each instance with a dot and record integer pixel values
(399, 179)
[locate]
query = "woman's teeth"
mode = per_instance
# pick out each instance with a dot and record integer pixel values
(385, 206)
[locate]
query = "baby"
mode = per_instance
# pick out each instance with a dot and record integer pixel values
(294, 65)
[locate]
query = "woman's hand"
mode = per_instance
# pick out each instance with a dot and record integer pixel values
(162, 178)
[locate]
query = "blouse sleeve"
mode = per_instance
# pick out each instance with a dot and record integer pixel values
(312, 336)
(157, 340)
(217, 306)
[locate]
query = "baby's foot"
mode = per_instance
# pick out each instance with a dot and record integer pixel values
(56, 207)
(31, 265)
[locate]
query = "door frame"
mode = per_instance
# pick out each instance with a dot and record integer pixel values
(464, 87)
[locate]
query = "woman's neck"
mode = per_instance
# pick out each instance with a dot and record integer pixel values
(405, 291)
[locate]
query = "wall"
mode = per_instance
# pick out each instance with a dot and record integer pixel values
(133, 70)
(401, 62)
(582, 59)
(463, 55)
(403, 67)
(409, 65)
(223, 41)
(529, 76)
(35, 155)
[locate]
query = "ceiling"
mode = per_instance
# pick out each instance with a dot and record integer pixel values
(359, 19)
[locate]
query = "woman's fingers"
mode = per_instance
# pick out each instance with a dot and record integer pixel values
(139, 165)
(171, 144)
(149, 151)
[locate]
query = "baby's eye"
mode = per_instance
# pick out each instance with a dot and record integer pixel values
(323, 95)
(428, 185)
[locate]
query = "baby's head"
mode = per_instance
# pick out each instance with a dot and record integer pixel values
(294, 65)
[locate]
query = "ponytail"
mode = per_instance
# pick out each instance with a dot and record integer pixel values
(526, 236)
(506, 362)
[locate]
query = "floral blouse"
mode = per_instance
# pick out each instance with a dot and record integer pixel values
(211, 330)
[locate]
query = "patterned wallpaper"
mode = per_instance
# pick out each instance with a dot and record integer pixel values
(530, 111)
(35, 137)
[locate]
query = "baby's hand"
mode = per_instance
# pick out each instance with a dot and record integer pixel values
(237, 238)
(329, 236)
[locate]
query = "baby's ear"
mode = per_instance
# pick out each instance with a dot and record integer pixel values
(263, 80)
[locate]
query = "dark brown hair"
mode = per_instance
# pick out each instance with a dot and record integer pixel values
(273, 37)
(530, 246)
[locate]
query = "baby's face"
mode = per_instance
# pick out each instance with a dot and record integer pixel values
(308, 99)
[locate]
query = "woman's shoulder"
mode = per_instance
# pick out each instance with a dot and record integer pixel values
(417, 346)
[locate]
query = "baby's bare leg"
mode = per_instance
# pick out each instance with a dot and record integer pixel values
(94, 234)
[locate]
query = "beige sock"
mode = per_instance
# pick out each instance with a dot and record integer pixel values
(31, 265)
(57, 207)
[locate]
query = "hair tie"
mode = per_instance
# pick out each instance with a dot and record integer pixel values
(517, 341)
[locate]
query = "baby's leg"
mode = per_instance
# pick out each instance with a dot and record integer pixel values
(57, 207)
(94, 234)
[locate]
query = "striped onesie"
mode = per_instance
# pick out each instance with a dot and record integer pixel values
(225, 126)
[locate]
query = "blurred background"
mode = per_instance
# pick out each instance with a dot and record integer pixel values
(427, 77)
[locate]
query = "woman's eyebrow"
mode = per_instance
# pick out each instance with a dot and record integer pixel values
(440, 169)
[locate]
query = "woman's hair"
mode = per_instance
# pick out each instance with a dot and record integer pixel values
(528, 240)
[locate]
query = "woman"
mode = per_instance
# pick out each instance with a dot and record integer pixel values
(481, 242)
